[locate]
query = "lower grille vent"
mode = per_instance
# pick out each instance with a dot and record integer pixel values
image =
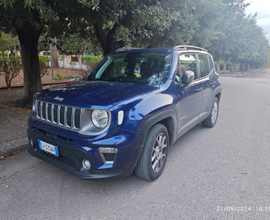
(49, 134)
(62, 160)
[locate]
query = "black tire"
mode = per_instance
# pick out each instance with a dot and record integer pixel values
(154, 153)
(211, 120)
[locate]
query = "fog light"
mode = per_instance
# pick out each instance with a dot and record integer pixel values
(108, 154)
(86, 164)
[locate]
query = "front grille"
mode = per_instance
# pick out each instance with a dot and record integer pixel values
(69, 115)
(77, 118)
(55, 115)
(61, 115)
(62, 160)
(50, 112)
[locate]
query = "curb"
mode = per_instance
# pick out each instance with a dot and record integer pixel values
(10, 147)
(235, 76)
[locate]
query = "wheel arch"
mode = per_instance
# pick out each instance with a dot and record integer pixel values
(218, 95)
(167, 118)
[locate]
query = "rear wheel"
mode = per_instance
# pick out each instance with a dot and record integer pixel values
(211, 120)
(154, 153)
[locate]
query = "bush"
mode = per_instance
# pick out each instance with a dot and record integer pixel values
(90, 59)
(11, 67)
(44, 65)
(58, 78)
(90, 63)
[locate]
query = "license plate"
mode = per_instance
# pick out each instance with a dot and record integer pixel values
(49, 148)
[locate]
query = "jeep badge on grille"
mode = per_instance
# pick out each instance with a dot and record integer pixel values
(58, 98)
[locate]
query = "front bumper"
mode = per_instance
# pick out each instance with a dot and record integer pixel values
(71, 155)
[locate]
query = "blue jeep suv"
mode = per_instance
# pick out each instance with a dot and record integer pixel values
(128, 111)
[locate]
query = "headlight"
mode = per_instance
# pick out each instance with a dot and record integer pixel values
(36, 104)
(100, 118)
(34, 108)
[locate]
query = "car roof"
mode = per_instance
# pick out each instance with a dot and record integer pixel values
(175, 48)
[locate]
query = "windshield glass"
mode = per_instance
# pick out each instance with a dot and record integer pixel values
(147, 68)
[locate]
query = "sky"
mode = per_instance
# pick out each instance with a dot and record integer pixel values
(262, 7)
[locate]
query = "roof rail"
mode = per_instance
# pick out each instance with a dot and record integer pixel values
(188, 46)
(127, 48)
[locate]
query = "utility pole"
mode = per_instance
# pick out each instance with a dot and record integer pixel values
(51, 59)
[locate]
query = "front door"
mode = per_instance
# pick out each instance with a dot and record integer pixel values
(189, 97)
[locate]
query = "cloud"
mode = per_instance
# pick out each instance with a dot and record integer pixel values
(262, 8)
(263, 22)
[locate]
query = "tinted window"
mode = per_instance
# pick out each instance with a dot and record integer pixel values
(134, 67)
(115, 69)
(188, 62)
(204, 65)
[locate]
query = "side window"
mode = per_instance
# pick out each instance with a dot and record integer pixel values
(204, 65)
(178, 73)
(188, 62)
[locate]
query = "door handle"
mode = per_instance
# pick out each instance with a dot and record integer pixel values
(213, 83)
(199, 89)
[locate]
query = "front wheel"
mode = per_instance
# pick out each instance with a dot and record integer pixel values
(211, 120)
(154, 153)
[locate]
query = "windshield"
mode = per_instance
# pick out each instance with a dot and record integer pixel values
(137, 67)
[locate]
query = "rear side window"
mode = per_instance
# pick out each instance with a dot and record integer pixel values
(204, 65)
(188, 62)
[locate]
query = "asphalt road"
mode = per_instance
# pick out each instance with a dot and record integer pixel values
(258, 73)
(218, 173)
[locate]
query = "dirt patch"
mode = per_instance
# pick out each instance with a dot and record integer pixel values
(12, 105)
(9, 96)
(13, 153)
(60, 74)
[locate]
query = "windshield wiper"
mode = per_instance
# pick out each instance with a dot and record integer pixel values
(125, 81)
(91, 78)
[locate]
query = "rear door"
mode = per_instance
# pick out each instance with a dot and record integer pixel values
(206, 72)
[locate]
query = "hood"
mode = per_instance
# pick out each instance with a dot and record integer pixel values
(94, 94)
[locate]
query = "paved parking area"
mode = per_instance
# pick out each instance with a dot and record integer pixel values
(218, 173)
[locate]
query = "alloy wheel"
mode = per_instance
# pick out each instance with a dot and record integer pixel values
(159, 152)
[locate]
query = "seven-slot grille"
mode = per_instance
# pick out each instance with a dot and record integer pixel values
(65, 116)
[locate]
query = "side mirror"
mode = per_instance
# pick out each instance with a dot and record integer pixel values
(188, 77)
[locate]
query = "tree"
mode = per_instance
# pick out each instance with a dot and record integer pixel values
(144, 23)
(74, 44)
(229, 34)
(29, 19)
(218, 28)
(54, 55)
(125, 23)
(8, 42)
